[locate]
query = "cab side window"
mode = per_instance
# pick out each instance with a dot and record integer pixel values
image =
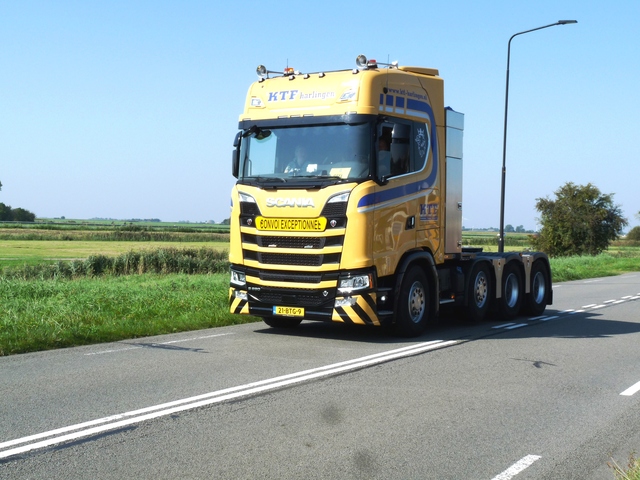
(394, 149)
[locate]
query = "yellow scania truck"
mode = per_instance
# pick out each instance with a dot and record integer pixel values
(348, 206)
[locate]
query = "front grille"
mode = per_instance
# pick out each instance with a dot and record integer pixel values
(308, 243)
(290, 259)
(290, 242)
(299, 297)
(295, 259)
(290, 277)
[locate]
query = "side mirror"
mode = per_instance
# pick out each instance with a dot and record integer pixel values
(235, 156)
(235, 162)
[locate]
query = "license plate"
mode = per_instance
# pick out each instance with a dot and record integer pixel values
(291, 224)
(289, 311)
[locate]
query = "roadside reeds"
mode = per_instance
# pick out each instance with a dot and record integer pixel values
(160, 261)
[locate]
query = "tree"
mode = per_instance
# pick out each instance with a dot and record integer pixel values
(580, 221)
(5, 213)
(509, 229)
(22, 215)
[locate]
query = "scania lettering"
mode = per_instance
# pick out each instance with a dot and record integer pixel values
(290, 202)
(348, 206)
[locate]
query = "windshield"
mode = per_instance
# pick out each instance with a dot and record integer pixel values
(337, 152)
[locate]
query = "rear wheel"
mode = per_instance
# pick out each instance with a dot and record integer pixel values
(535, 301)
(512, 292)
(413, 303)
(282, 322)
(478, 293)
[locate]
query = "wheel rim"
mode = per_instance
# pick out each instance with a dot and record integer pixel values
(481, 289)
(416, 302)
(511, 290)
(538, 288)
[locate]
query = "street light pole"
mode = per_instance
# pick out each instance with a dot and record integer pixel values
(504, 140)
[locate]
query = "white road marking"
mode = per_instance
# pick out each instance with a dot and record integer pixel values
(590, 306)
(118, 350)
(517, 467)
(546, 319)
(113, 422)
(631, 390)
(519, 325)
(503, 325)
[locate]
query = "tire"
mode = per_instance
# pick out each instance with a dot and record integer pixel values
(510, 303)
(282, 322)
(478, 293)
(535, 302)
(412, 312)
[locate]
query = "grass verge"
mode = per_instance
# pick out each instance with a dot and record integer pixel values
(603, 265)
(631, 472)
(41, 315)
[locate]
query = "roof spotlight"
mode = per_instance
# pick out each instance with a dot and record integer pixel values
(262, 71)
(361, 61)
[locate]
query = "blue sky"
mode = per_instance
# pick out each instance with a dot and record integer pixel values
(128, 109)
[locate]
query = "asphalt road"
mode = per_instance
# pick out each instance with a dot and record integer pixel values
(549, 398)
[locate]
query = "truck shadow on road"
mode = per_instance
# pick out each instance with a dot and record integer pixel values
(555, 324)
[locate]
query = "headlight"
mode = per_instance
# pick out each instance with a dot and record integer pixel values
(246, 198)
(357, 282)
(238, 278)
(340, 197)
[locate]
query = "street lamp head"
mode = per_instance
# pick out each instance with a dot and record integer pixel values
(566, 22)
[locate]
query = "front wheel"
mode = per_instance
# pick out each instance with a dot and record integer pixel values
(282, 322)
(413, 303)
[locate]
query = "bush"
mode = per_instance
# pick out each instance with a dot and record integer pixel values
(634, 234)
(579, 221)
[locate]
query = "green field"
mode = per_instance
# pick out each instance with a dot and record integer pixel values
(33, 252)
(70, 284)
